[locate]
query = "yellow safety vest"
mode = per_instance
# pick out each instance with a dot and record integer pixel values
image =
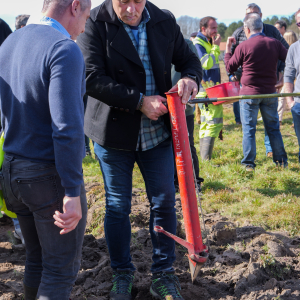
(211, 59)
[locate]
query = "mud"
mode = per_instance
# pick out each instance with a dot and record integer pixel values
(245, 262)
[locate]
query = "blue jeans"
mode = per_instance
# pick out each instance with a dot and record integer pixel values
(236, 111)
(34, 192)
(267, 143)
(157, 168)
(86, 138)
(249, 112)
(296, 118)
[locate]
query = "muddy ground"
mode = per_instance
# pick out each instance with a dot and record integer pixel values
(245, 262)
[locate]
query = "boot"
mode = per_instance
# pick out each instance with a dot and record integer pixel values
(29, 292)
(206, 147)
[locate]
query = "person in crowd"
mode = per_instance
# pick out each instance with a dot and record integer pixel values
(207, 43)
(281, 26)
(193, 35)
(290, 38)
(5, 31)
(292, 73)
(86, 138)
(21, 21)
(259, 77)
(42, 117)
(189, 113)
(239, 35)
(128, 48)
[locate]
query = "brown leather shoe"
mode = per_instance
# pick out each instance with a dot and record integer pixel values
(270, 154)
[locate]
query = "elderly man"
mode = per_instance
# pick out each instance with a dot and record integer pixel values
(128, 47)
(292, 72)
(42, 117)
(259, 77)
(269, 31)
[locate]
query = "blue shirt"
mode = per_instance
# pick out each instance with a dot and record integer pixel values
(256, 34)
(54, 24)
(42, 83)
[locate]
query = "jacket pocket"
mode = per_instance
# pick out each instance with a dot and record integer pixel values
(40, 195)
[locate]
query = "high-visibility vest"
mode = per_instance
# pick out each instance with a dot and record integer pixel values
(211, 120)
(211, 59)
(2, 201)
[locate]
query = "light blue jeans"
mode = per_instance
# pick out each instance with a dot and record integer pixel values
(249, 111)
(296, 118)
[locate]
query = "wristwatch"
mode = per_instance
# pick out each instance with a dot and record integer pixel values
(192, 77)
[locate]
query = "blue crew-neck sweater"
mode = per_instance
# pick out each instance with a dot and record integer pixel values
(42, 83)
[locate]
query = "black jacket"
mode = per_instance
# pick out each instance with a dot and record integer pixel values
(5, 31)
(115, 76)
(270, 31)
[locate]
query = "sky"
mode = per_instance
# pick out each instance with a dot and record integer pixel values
(224, 11)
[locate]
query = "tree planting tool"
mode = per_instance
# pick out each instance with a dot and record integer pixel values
(262, 96)
(197, 251)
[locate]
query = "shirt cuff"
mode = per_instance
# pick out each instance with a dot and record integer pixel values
(289, 79)
(73, 192)
(139, 103)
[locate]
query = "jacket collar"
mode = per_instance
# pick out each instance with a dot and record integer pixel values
(203, 37)
(106, 13)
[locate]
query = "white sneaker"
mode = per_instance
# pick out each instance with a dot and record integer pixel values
(260, 119)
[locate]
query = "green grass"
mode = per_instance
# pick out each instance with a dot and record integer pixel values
(269, 197)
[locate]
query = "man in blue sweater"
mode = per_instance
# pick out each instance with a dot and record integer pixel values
(41, 97)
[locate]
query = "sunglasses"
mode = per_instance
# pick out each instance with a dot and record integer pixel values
(298, 24)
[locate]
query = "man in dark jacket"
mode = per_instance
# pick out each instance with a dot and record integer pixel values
(128, 48)
(5, 31)
(239, 35)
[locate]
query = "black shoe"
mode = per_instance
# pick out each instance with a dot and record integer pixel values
(165, 284)
(199, 180)
(88, 153)
(122, 285)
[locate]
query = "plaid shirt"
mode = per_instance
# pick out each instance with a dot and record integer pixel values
(151, 132)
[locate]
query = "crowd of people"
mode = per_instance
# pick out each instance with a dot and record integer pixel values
(123, 56)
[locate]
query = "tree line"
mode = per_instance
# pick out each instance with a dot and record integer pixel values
(189, 25)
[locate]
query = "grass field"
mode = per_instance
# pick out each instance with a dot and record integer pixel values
(270, 197)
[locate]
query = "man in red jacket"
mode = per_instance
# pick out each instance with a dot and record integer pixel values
(258, 57)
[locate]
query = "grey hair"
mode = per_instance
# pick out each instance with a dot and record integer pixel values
(21, 20)
(253, 22)
(254, 6)
(62, 5)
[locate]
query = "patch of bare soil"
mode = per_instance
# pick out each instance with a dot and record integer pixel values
(244, 263)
